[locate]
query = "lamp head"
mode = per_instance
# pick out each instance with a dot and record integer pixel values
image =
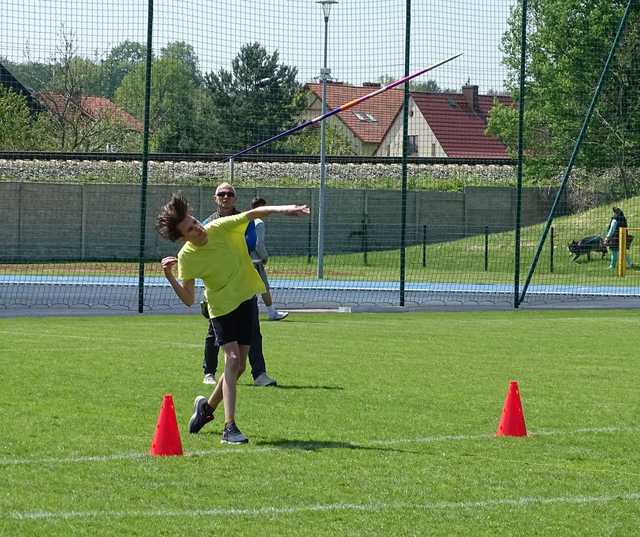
(326, 6)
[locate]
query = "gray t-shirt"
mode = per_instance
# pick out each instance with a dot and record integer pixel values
(260, 254)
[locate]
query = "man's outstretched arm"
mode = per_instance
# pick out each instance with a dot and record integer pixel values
(289, 210)
(186, 290)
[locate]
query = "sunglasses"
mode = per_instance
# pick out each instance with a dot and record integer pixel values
(225, 194)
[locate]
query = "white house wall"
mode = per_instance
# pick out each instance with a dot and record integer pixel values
(427, 143)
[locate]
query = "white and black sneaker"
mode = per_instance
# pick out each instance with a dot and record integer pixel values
(232, 435)
(209, 379)
(264, 380)
(202, 414)
(278, 315)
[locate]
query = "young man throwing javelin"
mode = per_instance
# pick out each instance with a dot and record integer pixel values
(217, 254)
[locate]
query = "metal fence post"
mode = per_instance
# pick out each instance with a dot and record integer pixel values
(145, 156)
(486, 248)
(424, 245)
(83, 222)
(365, 221)
(19, 233)
(521, 97)
(405, 150)
(309, 240)
(551, 246)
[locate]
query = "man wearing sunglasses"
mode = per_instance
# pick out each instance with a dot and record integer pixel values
(225, 199)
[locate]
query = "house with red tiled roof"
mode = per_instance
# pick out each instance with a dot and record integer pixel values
(93, 108)
(440, 124)
(447, 125)
(366, 124)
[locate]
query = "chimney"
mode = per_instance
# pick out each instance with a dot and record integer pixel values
(471, 97)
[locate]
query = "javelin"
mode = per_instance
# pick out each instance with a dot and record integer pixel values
(341, 108)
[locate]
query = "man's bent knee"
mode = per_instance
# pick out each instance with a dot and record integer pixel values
(234, 363)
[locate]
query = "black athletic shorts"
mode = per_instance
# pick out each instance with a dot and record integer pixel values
(237, 325)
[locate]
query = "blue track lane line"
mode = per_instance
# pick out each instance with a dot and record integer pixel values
(336, 285)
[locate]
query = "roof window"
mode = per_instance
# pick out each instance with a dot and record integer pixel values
(365, 116)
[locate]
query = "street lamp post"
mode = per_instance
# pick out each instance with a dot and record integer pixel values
(324, 74)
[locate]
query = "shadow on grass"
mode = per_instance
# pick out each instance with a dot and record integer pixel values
(317, 445)
(307, 387)
(295, 387)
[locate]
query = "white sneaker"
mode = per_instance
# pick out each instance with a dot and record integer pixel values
(264, 380)
(209, 379)
(278, 315)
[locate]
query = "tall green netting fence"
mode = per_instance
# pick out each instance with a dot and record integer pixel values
(69, 236)
(581, 129)
(419, 191)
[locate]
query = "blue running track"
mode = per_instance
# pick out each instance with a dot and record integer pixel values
(121, 292)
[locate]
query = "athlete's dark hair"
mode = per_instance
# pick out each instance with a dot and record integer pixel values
(171, 215)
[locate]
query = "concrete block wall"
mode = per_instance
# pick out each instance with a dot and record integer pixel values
(92, 221)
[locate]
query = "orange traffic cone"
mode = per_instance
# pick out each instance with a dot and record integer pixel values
(166, 440)
(512, 419)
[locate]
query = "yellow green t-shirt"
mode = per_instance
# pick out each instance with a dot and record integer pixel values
(223, 265)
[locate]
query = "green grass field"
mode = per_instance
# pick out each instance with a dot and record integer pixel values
(383, 424)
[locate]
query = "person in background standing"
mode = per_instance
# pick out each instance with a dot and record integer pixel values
(225, 198)
(618, 220)
(260, 256)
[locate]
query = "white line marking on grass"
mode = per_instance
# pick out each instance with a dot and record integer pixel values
(523, 502)
(462, 437)
(588, 430)
(428, 439)
(300, 445)
(101, 339)
(131, 456)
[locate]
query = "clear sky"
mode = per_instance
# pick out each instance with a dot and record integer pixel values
(366, 37)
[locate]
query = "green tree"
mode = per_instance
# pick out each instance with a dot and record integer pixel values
(567, 44)
(22, 130)
(175, 88)
(34, 75)
(184, 54)
(15, 119)
(429, 85)
(258, 98)
(72, 74)
(71, 123)
(120, 61)
(307, 142)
